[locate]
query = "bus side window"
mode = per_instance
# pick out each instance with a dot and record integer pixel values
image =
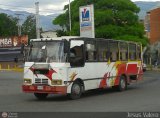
(124, 56)
(106, 56)
(91, 55)
(123, 48)
(127, 54)
(113, 45)
(103, 50)
(138, 52)
(91, 51)
(86, 55)
(132, 51)
(100, 55)
(76, 55)
(114, 56)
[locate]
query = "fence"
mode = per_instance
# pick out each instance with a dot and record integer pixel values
(11, 66)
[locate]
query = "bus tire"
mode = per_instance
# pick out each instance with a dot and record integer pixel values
(122, 83)
(76, 90)
(41, 96)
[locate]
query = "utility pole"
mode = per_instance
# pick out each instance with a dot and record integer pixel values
(70, 22)
(37, 20)
(18, 24)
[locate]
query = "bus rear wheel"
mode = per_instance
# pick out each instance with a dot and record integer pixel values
(41, 96)
(76, 90)
(122, 83)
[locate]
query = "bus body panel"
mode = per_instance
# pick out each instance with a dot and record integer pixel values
(103, 75)
(57, 71)
(94, 75)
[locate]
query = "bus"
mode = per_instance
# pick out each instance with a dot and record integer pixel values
(73, 65)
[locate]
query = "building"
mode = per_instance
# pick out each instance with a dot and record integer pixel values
(152, 25)
(12, 48)
(49, 34)
(152, 29)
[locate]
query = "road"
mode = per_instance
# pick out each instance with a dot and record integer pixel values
(142, 96)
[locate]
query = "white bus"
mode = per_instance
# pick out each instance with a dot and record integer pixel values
(72, 65)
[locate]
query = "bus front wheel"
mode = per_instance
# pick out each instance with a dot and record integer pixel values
(41, 96)
(76, 90)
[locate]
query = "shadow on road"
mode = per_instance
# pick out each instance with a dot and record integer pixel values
(87, 94)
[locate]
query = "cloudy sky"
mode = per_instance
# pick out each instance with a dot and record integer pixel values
(46, 6)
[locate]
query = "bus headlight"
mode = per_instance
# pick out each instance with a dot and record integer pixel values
(27, 81)
(56, 82)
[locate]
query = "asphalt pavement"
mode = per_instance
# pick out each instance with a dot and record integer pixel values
(141, 96)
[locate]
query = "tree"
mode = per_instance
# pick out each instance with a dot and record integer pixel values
(8, 26)
(29, 27)
(115, 19)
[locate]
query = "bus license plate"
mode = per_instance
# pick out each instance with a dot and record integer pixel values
(40, 87)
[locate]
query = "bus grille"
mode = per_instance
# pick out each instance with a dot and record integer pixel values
(41, 81)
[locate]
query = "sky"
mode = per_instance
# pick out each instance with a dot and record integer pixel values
(46, 6)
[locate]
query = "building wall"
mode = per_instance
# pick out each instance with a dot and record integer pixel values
(153, 19)
(147, 25)
(49, 34)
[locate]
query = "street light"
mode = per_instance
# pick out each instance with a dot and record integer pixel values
(18, 23)
(70, 23)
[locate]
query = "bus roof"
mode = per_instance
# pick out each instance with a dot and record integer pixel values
(55, 38)
(77, 37)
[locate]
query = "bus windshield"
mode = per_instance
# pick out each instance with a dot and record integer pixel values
(47, 51)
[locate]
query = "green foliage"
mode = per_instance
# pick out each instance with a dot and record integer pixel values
(61, 20)
(108, 31)
(61, 33)
(113, 19)
(143, 41)
(8, 26)
(29, 27)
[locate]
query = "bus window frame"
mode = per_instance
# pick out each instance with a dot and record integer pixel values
(83, 52)
(117, 53)
(107, 56)
(139, 57)
(30, 46)
(94, 40)
(135, 52)
(120, 52)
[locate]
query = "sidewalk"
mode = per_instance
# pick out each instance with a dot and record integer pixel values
(153, 69)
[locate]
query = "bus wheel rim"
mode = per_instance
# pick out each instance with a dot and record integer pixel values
(76, 89)
(123, 84)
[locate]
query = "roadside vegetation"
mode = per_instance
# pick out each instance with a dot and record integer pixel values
(116, 19)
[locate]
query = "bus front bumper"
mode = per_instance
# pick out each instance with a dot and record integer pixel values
(44, 89)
